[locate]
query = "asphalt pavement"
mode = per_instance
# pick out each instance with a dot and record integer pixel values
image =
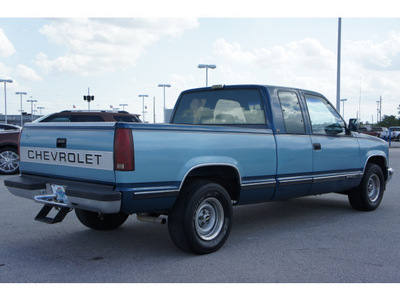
(318, 239)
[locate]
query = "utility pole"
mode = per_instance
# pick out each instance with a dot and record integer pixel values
(377, 112)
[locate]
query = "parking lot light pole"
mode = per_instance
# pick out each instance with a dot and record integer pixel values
(123, 106)
(31, 101)
(206, 66)
(21, 93)
(343, 100)
(143, 96)
(40, 110)
(164, 86)
(5, 97)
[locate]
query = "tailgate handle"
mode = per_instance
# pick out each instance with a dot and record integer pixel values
(61, 143)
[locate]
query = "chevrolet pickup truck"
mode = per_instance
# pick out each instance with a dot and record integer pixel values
(224, 146)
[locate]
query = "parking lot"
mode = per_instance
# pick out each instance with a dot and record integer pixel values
(311, 239)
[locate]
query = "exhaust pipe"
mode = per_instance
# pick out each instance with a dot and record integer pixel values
(151, 219)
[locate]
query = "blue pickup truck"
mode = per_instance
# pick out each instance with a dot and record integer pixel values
(224, 146)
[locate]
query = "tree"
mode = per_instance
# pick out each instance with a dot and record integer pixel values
(389, 121)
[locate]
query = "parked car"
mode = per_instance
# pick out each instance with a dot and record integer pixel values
(385, 134)
(90, 116)
(9, 160)
(9, 127)
(396, 131)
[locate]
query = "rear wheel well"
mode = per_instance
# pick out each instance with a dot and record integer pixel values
(9, 146)
(226, 176)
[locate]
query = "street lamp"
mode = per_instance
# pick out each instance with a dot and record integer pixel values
(21, 93)
(143, 96)
(5, 97)
(343, 100)
(205, 66)
(123, 106)
(31, 101)
(164, 86)
(40, 110)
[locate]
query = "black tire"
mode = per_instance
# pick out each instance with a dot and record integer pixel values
(9, 161)
(368, 195)
(100, 221)
(201, 219)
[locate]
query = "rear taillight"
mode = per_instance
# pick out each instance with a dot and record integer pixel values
(124, 157)
(19, 144)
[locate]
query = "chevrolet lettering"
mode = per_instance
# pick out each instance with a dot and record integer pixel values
(68, 158)
(224, 146)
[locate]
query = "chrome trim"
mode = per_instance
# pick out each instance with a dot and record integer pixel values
(294, 180)
(259, 184)
(390, 174)
(108, 207)
(339, 176)
(157, 192)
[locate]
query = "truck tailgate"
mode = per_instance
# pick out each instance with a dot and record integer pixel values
(76, 151)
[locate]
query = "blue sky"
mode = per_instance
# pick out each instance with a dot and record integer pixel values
(55, 60)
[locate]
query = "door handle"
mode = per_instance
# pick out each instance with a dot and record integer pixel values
(317, 146)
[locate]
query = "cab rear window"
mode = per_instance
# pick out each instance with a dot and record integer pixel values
(221, 107)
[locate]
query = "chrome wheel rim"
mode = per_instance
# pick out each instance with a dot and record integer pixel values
(8, 161)
(209, 219)
(373, 188)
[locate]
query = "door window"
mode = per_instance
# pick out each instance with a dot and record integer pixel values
(292, 115)
(324, 118)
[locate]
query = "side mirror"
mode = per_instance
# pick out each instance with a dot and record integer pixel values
(353, 124)
(334, 129)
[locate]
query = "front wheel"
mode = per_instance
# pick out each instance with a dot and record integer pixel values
(368, 195)
(100, 221)
(201, 219)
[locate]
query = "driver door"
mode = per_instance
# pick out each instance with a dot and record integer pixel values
(336, 159)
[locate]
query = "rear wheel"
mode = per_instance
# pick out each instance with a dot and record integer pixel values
(201, 219)
(368, 195)
(9, 161)
(100, 221)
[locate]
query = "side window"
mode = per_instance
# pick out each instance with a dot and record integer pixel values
(88, 118)
(58, 119)
(125, 119)
(292, 115)
(324, 118)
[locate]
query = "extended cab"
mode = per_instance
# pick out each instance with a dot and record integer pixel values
(224, 146)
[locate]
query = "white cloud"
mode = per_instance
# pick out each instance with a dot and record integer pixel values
(293, 64)
(370, 66)
(27, 73)
(375, 55)
(97, 46)
(5, 71)
(6, 47)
